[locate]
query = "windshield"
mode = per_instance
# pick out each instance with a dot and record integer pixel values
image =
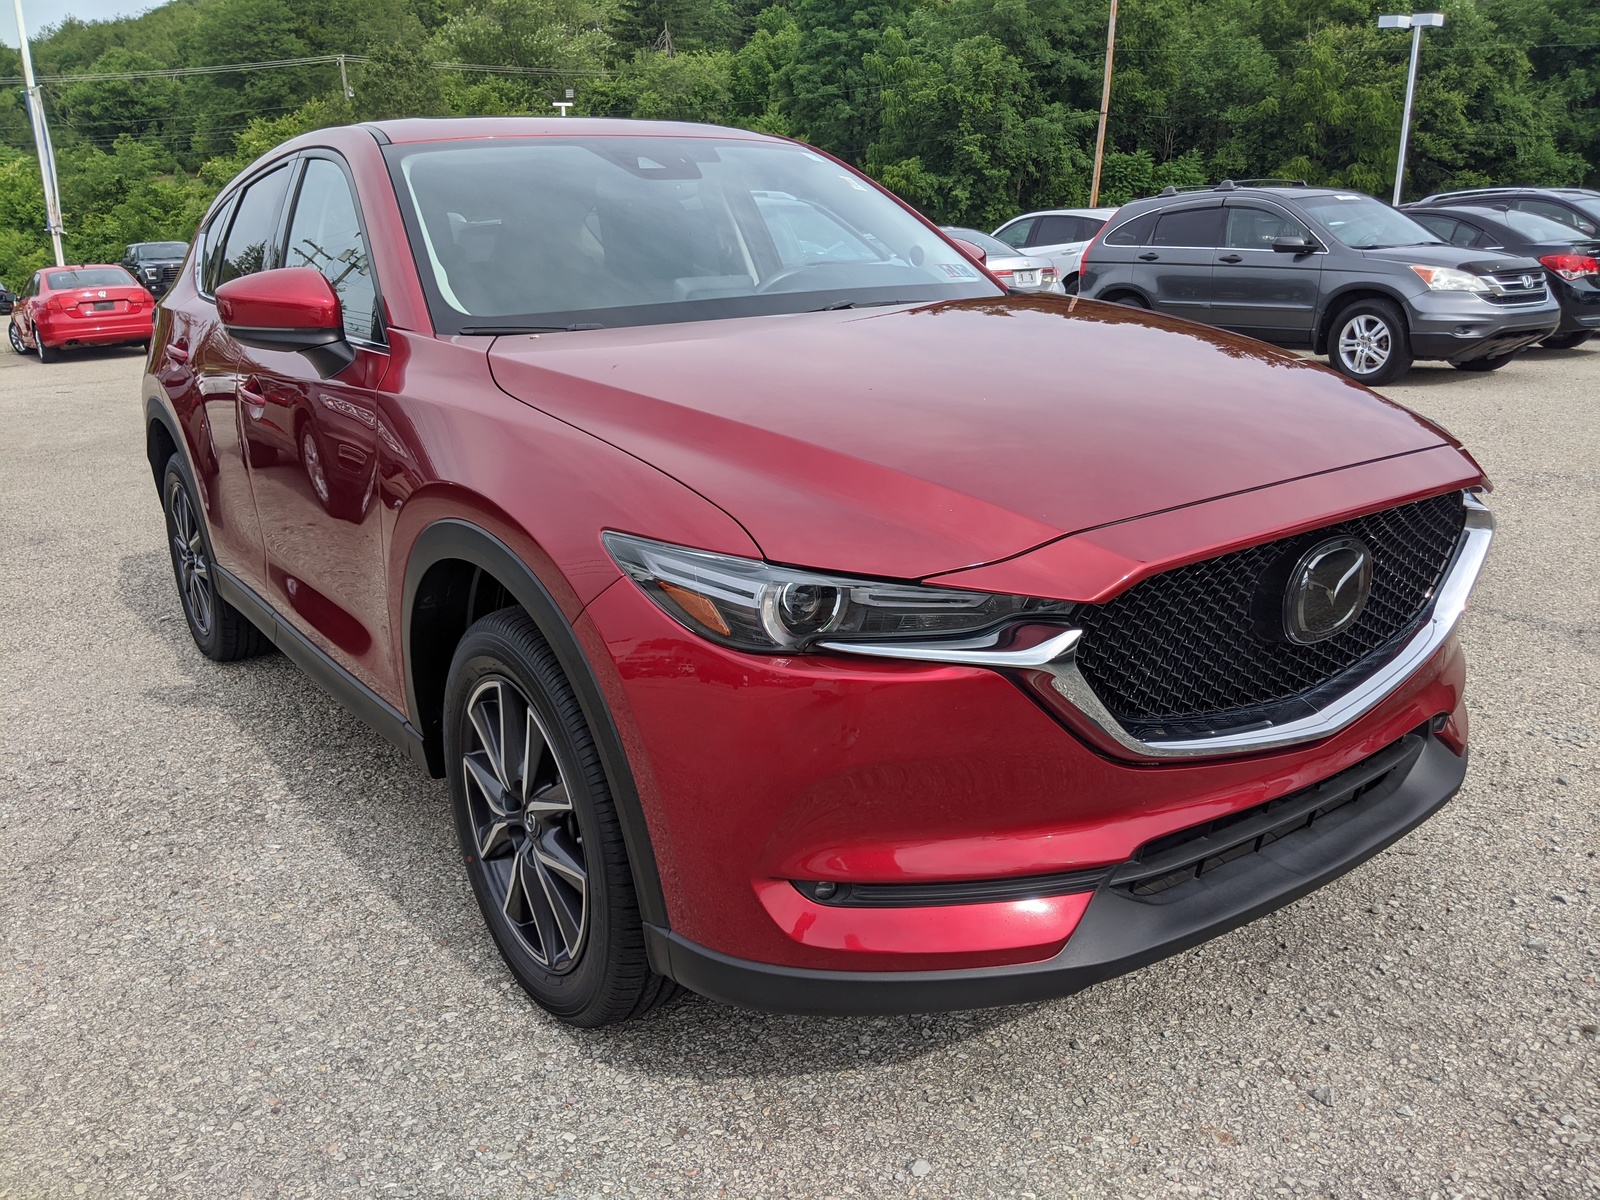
(85, 277)
(988, 243)
(1541, 229)
(161, 250)
(555, 233)
(1367, 224)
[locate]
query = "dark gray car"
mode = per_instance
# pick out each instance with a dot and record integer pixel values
(1336, 271)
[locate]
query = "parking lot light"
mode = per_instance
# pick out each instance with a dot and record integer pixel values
(1416, 22)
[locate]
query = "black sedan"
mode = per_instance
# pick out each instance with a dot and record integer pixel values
(1571, 257)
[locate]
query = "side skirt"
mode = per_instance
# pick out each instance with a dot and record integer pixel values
(344, 687)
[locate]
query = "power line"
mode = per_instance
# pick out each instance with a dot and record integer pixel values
(314, 60)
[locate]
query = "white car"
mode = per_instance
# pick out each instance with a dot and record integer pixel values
(1059, 234)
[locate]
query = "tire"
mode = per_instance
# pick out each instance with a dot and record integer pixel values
(222, 632)
(1567, 341)
(1484, 364)
(15, 337)
(1368, 343)
(1069, 285)
(46, 354)
(554, 887)
(1128, 300)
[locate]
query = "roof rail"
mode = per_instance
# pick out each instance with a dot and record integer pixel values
(1229, 185)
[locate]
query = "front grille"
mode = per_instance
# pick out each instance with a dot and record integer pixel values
(169, 273)
(1509, 288)
(1186, 651)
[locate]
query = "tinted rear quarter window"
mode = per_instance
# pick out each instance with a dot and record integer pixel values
(249, 247)
(1189, 227)
(1055, 231)
(1133, 233)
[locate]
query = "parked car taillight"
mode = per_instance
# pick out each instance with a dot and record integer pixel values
(1000, 272)
(1083, 259)
(1572, 266)
(54, 305)
(1047, 275)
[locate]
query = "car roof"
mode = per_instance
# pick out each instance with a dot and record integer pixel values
(1510, 191)
(1105, 214)
(409, 130)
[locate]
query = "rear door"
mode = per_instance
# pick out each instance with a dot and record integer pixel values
(1256, 289)
(1174, 270)
(316, 495)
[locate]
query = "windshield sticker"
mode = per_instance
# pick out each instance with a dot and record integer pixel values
(958, 270)
(1342, 196)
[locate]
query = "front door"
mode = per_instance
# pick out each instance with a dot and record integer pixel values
(316, 491)
(1175, 268)
(1261, 291)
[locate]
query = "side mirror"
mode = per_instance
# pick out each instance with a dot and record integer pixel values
(293, 308)
(975, 253)
(1293, 245)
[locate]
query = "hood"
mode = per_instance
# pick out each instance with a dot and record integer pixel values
(1479, 262)
(909, 441)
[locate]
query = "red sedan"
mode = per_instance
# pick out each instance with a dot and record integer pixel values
(655, 485)
(81, 306)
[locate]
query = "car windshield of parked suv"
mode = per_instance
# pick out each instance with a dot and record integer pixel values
(161, 250)
(556, 233)
(1363, 223)
(89, 277)
(989, 244)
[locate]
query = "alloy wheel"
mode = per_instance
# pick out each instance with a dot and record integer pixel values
(1365, 344)
(524, 826)
(312, 458)
(189, 552)
(16, 339)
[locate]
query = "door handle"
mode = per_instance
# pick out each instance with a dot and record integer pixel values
(178, 351)
(1231, 258)
(254, 402)
(1149, 256)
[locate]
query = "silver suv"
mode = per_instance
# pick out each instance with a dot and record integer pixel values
(1336, 271)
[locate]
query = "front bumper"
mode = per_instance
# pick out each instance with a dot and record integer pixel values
(1118, 931)
(1460, 327)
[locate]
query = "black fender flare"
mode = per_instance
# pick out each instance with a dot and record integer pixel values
(452, 538)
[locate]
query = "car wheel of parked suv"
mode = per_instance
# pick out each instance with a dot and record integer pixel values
(16, 340)
(1368, 343)
(539, 830)
(221, 631)
(1566, 341)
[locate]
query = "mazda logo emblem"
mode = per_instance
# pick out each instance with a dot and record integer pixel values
(1327, 590)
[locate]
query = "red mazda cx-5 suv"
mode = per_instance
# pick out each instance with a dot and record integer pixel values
(655, 485)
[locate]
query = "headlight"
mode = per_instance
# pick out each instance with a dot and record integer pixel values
(752, 605)
(1448, 279)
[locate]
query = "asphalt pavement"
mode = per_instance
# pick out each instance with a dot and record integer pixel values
(239, 957)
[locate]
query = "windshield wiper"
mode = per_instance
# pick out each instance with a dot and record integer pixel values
(508, 330)
(838, 304)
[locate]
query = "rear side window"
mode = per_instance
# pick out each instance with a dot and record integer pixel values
(326, 234)
(1017, 235)
(1189, 227)
(249, 247)
(1133, 233)
(1257, 228)
(1054, 231)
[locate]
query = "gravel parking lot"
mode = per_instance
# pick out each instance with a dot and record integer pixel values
(240, 957)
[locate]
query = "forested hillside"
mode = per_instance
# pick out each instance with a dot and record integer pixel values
(971, 109)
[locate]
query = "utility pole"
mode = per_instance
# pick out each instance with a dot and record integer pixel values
(1105, 107)
(1416, 22)
(41, 141)
(344, 79)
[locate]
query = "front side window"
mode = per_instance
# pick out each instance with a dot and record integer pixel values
(249, 247)
(1016, 234)
(1363, 223)
(1258, 228)
(211, 245)
(325, 233)
(550, 233)
(1189, 227)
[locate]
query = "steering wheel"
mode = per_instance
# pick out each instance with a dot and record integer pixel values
(786, 274)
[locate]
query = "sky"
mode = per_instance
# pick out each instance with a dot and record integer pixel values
(49, 12)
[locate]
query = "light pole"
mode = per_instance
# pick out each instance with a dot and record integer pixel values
(41, 141)
(1105, 106)
(1416, 22)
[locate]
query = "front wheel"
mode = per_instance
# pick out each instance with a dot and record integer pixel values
(1368, 343)
(1567, 341)
(539, 831)
(16, 338)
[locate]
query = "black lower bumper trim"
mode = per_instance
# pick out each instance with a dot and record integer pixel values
(1118, 933)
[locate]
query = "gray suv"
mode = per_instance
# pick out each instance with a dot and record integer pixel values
(1335, 271)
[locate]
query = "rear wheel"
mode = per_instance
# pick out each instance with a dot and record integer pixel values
(1368, 343)
(1484, 364)
(1566, 341)
(46, 353)
(539, 830)
(220, 631)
